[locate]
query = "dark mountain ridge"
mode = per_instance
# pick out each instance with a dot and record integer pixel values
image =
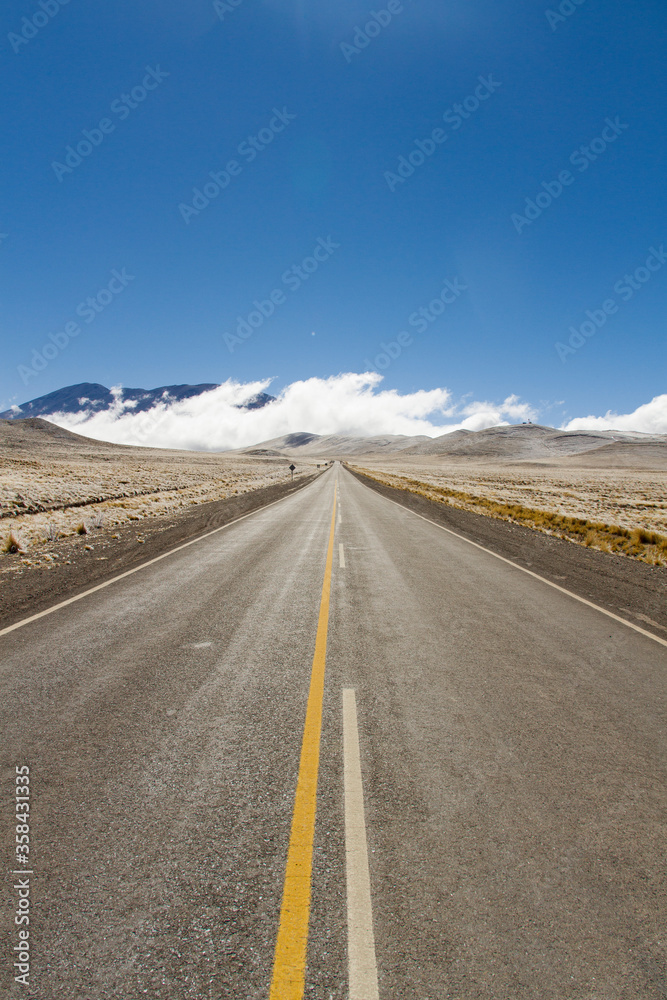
(92, 397)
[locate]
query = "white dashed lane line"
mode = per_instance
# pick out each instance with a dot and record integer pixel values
(362, 966)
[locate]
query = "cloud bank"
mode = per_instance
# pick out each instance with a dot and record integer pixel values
(650, 418)
(349, 404)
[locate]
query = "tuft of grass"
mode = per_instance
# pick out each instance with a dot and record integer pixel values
(51, 532)
(81, 529)
(637, 543)
(13, 543)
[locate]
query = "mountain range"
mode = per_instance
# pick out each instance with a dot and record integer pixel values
(525, 442)
(95, 398)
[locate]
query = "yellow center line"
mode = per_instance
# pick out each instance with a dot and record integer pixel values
(289, 967)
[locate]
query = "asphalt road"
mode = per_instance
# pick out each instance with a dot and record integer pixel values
(511, 748)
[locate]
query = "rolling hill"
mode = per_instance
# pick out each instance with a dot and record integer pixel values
(513, 443)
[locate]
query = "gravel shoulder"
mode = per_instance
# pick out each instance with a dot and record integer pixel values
(77, 562)
(631, 589)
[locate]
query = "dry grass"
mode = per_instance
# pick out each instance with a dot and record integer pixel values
(641, 543)
(12, 543)
(51, 533)
(51, 489)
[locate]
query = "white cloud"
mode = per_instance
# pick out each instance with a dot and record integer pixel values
(650, 418)
(343, 404)
(481, 415)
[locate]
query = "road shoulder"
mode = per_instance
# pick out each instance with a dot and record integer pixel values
(83, 562)
(633, 590)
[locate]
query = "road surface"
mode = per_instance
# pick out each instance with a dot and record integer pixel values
(490, 825)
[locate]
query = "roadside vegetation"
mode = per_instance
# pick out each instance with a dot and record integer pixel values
(12, 543)
(637, 543)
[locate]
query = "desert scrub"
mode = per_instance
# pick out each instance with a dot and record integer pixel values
(12, 543)
(638, 543)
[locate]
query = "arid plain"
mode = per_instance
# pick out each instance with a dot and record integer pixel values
(633, 500)
(604, 490)
(54, 485)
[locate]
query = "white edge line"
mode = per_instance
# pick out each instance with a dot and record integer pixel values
(341, 555)
(536, 576)
(362, 965)
(129, 572)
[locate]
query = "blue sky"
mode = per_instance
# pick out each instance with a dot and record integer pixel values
(336, 119)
